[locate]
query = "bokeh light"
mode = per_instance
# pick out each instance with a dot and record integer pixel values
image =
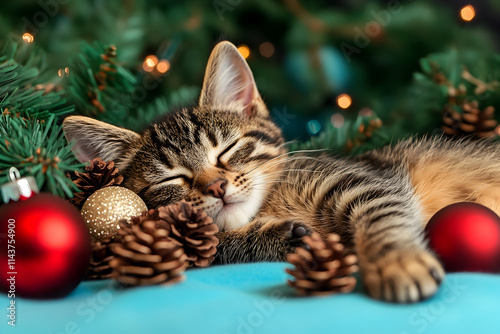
(365, 112)
(28, 38)
(337, 120)
(344, 101)
(150, 63)
(163, 66)
(244, 50)
(266, 49)
(313, 127)
(467, 13)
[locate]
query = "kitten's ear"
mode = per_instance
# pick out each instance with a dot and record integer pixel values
(229, 82)
(96, 139)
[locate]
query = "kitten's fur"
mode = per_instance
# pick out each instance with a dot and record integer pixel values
(229, 148)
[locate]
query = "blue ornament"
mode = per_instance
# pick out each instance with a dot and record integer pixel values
(323, 69)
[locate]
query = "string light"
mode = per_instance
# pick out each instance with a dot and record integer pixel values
(266, 49)
(28, 38)
(244, 50)
(163, 66)
(467, 13)
(150, 63)
(337, 120)
(344, 101)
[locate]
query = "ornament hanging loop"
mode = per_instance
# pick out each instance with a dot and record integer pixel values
(14, 174)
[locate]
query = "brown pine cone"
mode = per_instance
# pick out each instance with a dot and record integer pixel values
(151, 215)
(99, 262)
(324, 269)
(99, 174)
(194, 229)
(146, 255)
(470, 121)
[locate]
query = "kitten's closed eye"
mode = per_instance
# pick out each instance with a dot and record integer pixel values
(176, 177)
(163, 191)
(226, 150)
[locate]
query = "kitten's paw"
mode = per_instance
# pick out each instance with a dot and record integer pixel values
(403, 277)
(294, 231)
(288, 234)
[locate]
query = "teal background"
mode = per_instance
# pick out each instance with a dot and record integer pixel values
(254, 298)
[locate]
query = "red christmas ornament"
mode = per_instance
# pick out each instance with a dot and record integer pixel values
(44, 246)
(466, 237)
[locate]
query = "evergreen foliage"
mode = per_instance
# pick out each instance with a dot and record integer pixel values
(402, 80)
(37, 147)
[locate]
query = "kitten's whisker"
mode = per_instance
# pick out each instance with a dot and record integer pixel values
(267, 167)
(288, 153)
(248, 195)
(303, 157)
(265, 179)
(292, 170)
(273, 181)
(287, 142)
(284, 161)
(296, 170)
(276, 163)
(311, 151)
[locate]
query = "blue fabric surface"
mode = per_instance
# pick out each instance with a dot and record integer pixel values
(254, 298)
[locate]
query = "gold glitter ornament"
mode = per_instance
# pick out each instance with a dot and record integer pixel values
(107, 206)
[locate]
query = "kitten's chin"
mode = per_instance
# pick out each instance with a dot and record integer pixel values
(231, 216)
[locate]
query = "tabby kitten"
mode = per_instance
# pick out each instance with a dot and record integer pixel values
(226, 156)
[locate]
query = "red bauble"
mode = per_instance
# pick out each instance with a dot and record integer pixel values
(466, 237)
(52, 247)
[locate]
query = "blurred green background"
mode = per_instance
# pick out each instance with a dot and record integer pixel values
(305, 68)
(399, 65)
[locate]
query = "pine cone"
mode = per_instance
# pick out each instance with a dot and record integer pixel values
(324, 269)
(152, 215)
(194, 229)
(471, 121)
(99, 174)
(99, 262)
(146, 255)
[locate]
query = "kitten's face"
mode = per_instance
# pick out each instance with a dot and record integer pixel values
(221, 156)
(214, 159)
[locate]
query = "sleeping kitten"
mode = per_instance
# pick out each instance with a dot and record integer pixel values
(226, 156)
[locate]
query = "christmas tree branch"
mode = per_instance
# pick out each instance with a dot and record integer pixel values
(97, 82)
(20, 72)
(37, 147)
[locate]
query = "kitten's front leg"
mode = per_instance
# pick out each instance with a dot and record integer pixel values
(380, 217)
(393, 256)
(264, 239)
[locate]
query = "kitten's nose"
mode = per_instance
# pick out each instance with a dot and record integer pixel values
(216, 189)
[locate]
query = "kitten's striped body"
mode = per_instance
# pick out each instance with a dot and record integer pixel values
(227, 157)
(379, 205)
